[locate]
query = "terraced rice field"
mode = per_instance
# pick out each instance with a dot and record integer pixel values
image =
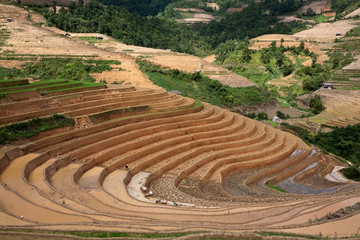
(216, 165)
(212, 162)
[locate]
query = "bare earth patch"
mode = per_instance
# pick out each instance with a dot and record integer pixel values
(327, 32)
(353, 14)
(318, 6)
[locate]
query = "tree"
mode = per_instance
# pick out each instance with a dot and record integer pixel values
(310, 12)
(54, 2)
(316, 104)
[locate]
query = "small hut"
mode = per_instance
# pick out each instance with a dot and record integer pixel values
(328, 86)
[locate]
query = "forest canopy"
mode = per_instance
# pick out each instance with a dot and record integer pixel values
(161, 32)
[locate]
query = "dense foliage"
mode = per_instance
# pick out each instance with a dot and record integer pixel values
(257, 116)
(344, 142)
(161, 32)
(352, 173)
(7, 72)
(129, 28)
(342, 5)
(67, 68)
(199, 87)
(253, 21)
(316, 104)
(266, 64)
(141, 7)
(313, 76)
(22, 130)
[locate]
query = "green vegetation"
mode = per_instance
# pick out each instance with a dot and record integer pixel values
(282, 115)
(342, 5)
(66, 68)
(257, 116)
(274, 124)
(273, 62)
(4, 35)
(162, 32)
(283, 102)
(94, 234)
(282, 234)
(144, 8)
(7, 73)
(316, 104)
(352, 173)
(313, 76)
(317, 18)
(129, 28)
(23, 130)
(275, 187)
(344, 142)
(200, 87)
(355, 32)
(341, 213)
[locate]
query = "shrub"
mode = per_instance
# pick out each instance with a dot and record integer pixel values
(23, 130)
(352, 173)
(316, 104)
(282, 115)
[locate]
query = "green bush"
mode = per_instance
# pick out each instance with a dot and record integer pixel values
(282, 115)
(23, 130)
(196, 86)
(316, 104)
(67, 68)
(352, 173)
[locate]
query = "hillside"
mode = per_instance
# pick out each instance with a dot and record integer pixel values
(209, 170)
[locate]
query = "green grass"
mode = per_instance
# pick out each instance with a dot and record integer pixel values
(23, 130)
(85, 84)
(200, 87)
(318, 18)
(283, 102)
(34, 86)
(62, 86)
(90, 40)
(340, 79)
(96, 234)
(275, 187)
(355, 32)
(274, 124)
(294, 235)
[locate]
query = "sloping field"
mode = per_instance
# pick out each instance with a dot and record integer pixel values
(173, 60)
(317, 6)
(31, 41)
(355, 13)
(326, 32)
(342, 109)
(291, 40)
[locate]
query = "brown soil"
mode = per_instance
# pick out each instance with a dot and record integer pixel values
(318, 6)
(326, 32)
(353, 14)
(173, 60)
(270, 109)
